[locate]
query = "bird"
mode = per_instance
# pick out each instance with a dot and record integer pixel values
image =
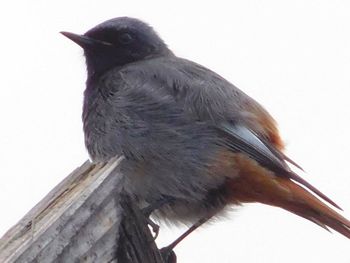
(192, 141)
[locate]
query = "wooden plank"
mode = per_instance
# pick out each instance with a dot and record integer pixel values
(86, 217)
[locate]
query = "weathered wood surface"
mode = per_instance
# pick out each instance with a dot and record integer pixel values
(86, 218)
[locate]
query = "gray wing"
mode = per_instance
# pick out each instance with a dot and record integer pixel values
(204, 97)
(241, 139)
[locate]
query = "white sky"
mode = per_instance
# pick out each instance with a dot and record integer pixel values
(292, 56)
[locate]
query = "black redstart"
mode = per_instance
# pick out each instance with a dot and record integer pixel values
(187, 134)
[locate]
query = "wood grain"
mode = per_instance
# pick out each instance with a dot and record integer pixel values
(85, 218)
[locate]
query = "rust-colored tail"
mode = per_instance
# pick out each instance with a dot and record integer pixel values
(256, 184)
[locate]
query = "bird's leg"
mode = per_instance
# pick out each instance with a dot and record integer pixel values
(147, 211)
(167, 252)
(154, 226)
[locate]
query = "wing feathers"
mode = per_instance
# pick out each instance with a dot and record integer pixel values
(243, 140)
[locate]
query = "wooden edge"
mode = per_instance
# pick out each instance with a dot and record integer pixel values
(84, 218)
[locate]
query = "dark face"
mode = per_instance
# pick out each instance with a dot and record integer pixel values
(118, 42)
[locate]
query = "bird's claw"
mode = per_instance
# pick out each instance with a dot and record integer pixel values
(155, 227)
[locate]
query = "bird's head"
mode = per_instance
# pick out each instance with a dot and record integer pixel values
(117, 42)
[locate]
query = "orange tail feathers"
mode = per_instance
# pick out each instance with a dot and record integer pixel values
(256, 184)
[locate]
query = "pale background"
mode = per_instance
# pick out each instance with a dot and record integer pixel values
(292, 56)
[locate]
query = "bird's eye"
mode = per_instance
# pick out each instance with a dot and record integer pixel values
(125, 38)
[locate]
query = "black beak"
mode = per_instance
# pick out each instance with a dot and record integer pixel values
(84, 41)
